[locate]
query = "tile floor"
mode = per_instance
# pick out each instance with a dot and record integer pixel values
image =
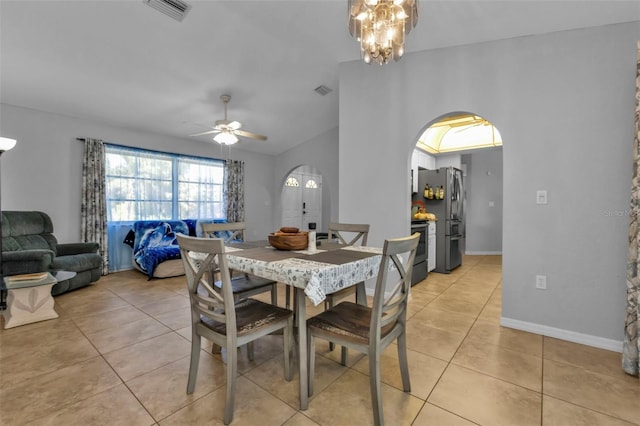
(118, 355)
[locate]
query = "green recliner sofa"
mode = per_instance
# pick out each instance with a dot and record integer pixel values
(28, 245)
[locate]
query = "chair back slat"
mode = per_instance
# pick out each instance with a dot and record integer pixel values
(391, 307)
(344, 233)
(201, 258)
(235, 228)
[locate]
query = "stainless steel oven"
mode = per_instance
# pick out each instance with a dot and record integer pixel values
(420, 262)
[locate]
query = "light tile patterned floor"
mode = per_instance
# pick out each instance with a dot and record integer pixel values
(118, 355)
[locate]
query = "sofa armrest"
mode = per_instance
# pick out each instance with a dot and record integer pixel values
(26, 261)
(76, 248)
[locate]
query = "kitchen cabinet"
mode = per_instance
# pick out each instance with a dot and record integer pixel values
(431, 246)
(420, 160)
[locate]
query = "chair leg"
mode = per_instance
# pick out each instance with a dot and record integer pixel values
(343, 356)
(376, 387)
(195, 360)
(404, 365)
(288, 346)
(295, 303)
(250, 352)
(311, 355)
(287, 296)
(328, 304)
(361, 294)
(232, 370)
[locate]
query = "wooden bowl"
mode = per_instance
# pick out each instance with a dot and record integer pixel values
(297, 241)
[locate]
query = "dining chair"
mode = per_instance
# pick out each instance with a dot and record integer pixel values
(371, 329)
(350, 234)
(244, 285)
(218, 316)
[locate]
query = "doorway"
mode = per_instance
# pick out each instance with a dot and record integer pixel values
(302, 199)
(471, 143)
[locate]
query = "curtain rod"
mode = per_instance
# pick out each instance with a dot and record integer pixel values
(154, 151)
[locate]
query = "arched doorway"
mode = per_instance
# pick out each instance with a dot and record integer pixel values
(302, 198)
(471, 144)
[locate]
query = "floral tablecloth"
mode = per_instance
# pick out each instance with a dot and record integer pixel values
(316, 278)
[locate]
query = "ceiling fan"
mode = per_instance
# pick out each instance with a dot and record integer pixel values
(226, 131)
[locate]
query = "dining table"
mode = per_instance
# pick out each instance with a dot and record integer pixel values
(312, 273)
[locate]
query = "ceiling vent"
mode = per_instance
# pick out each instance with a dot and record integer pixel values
(322, 90)
(177, 9)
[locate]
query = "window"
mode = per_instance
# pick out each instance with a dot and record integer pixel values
(291, 181)
(147, 185)
(311, 184)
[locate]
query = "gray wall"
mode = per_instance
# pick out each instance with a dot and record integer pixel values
(564, 105)
(483, 187)
(44, 170)
(321, 153)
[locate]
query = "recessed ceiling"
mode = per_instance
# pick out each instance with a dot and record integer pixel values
(125, 64)
(459, 132)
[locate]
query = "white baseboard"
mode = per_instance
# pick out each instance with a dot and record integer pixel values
(483, 253)
(558, 333)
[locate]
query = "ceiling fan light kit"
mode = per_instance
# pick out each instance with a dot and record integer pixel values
(226, 138)
(227, 132)
(380, 27)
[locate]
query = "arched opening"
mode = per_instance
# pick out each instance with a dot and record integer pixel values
(459, 132)
(302, 199)
(468, 213)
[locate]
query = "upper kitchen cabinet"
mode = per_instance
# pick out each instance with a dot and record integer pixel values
(420, 160)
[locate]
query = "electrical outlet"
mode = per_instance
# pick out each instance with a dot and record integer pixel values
(541, 282)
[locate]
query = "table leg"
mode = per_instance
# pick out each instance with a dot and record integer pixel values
(302, 347)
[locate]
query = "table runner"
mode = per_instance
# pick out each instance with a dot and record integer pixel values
(248, 244)
(337, 257)
(267, 254)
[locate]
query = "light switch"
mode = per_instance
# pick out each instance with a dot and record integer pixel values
(541, 196)
(491, 204)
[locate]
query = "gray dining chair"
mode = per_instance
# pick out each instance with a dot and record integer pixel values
(244, 285)
(217, 316)
(371, 329)
(350, 234)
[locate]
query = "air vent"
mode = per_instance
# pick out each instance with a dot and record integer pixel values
(177, 9)
(322, 90)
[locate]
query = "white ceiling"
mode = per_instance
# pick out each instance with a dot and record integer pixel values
(126, 64)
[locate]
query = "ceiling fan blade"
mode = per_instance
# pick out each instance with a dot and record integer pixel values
(250, 135)
(207, 133)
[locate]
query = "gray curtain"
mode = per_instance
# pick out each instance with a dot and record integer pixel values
(234, 190)
(93, 212)
(631, 344)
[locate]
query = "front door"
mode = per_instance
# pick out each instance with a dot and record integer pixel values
(311, 201)
(302, 200)
(292, 201)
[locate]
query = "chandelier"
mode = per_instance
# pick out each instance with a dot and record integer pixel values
(380, 27)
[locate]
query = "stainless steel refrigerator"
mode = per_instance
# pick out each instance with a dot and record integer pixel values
(446, 201)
